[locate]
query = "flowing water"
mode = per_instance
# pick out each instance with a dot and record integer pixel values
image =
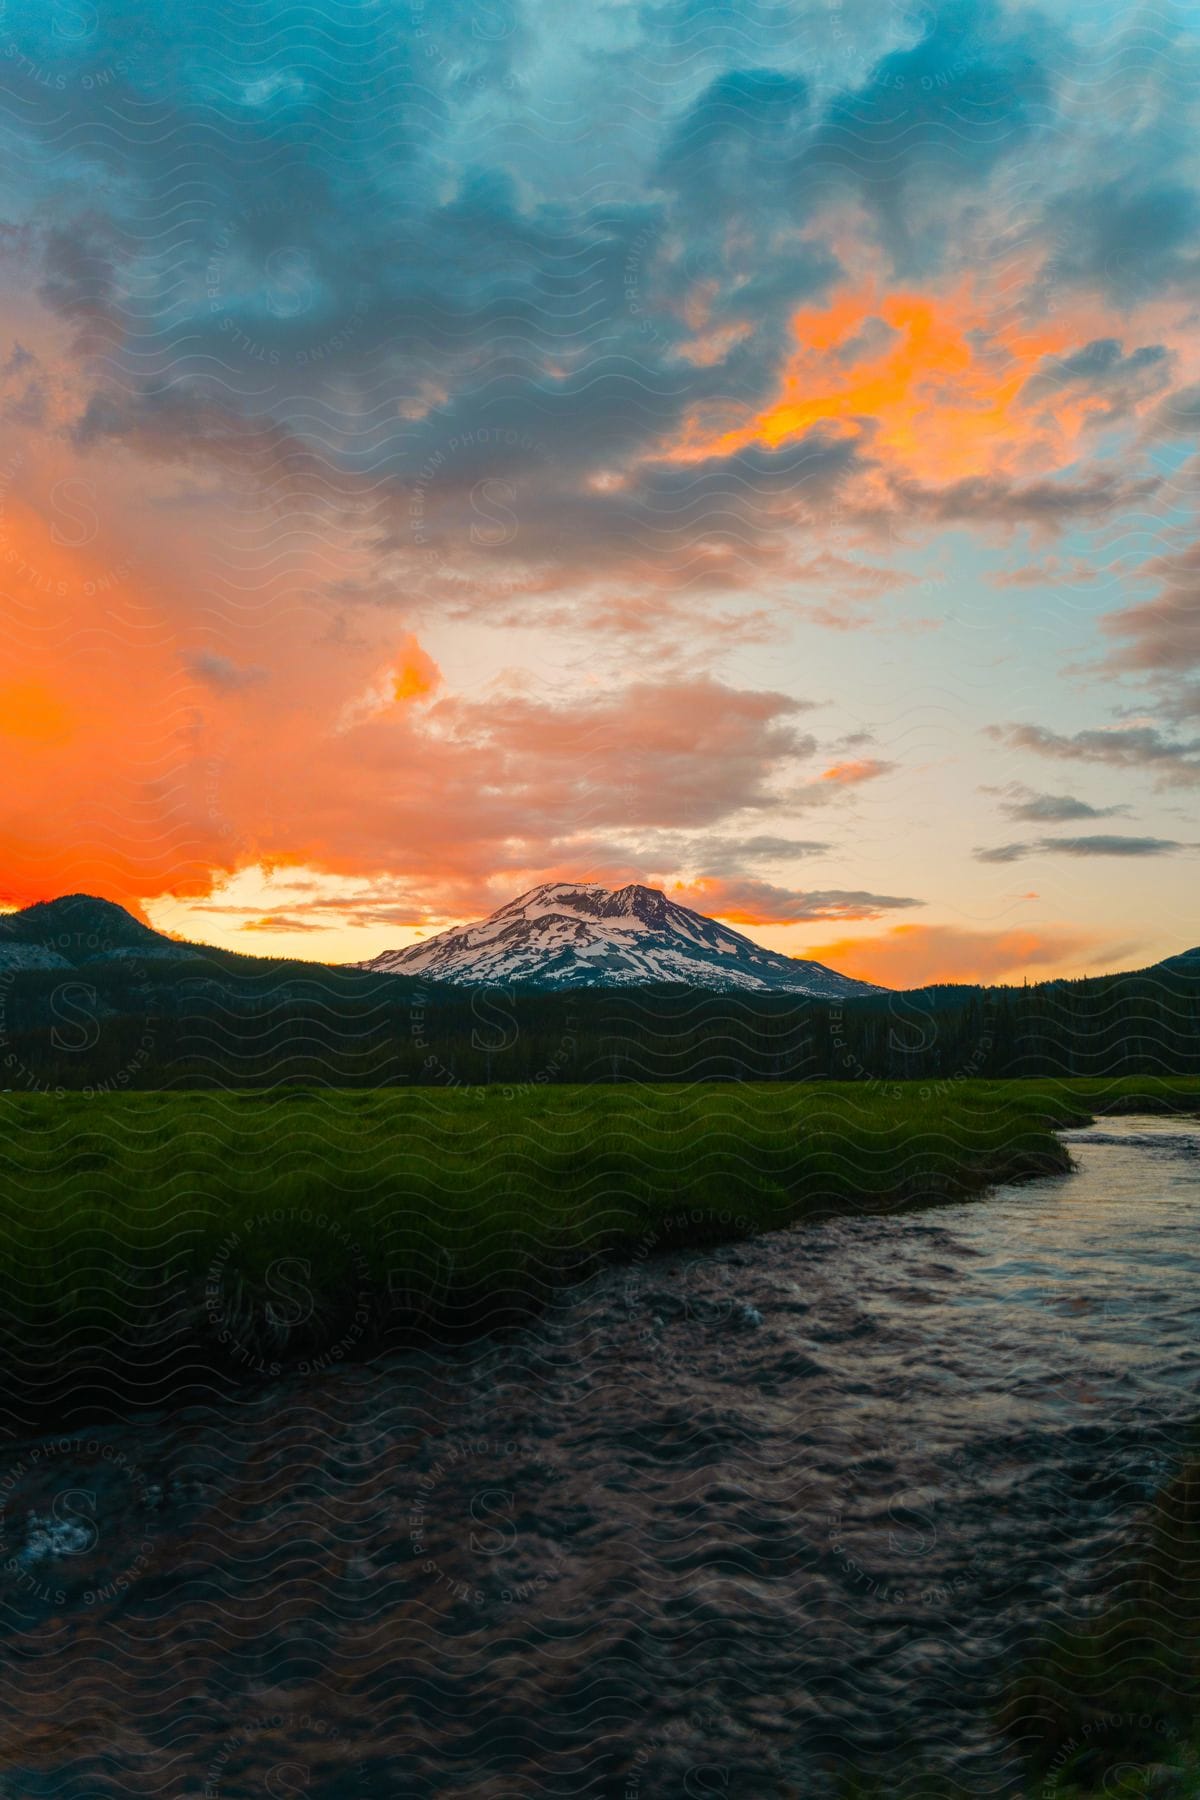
(719, 1524)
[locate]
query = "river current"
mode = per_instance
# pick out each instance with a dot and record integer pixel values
(723, 1523)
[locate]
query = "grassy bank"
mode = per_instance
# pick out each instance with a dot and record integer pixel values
(153, 1244)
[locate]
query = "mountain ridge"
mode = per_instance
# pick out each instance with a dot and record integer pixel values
(100, 931)
(141, 1010)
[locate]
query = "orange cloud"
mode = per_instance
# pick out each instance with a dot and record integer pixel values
(278, 922)
(934, 382)
(849, 774)
(415, 675)
(28, 709)
(109, 785)
(914, 955)
(470, 792)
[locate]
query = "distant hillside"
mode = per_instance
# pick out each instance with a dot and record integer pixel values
(123, 1006)
(78, 931)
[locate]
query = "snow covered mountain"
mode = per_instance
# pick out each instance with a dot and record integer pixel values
(573, 934)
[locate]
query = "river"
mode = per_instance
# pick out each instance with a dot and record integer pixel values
(722, 1523)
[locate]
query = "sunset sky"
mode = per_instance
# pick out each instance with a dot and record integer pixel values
(747, 449)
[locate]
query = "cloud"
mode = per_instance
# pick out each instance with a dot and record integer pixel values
(853, 774)
(1112, 382)
(910, 956)
(1020, 802)
(395, 377)
(24, 398)
(1129, 237)
(140, 788)
(998, 499)
(417, 282)
(1178, 416)
(723, 856)
(743, 126)
(1110, 845)
(1050, 571)
(1171, 761)
(279, 922)
(415, 675)
(1162, 634)
(560, 521)
(1100, 845)
(1003, 853)
(219, 672)
(873, 338)
(751, 902)
(935, 116)
(32, 712)
(465, 796)
(659, 753)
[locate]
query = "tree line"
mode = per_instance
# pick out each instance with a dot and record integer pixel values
(235, 1022)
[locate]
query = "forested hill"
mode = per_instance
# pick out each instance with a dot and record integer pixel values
(209, 1018)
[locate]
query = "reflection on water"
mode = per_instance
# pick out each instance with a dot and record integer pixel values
(725, 1523)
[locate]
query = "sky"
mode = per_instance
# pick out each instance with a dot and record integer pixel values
(748, 449)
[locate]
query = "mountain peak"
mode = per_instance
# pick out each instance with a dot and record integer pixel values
(85, 908)
(566, 934)
(73, 930)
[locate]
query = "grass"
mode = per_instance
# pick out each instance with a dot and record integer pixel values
(156, 1244)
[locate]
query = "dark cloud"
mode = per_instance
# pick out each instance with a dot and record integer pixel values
(743, 126)
(1109, 845)
(1173, 762)
(1100, 845)
(1161, 634)
(725, 856)
(1020, 802)
(717, 523)
(1178, 416)
(1101, 369)
(750, 901)
(23, 388)
(1122, 217)
(936, 116)
(1001, 500)
(1182, 701)
(397, 250)
(1002, 853)
(1131, 237)
(873, 338)
(838, 903)
(383, 250)
(219, 672)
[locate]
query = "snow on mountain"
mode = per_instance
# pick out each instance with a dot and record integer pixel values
(576, 934)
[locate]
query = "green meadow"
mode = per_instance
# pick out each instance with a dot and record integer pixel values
(164, 1248)
(152, 1241)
